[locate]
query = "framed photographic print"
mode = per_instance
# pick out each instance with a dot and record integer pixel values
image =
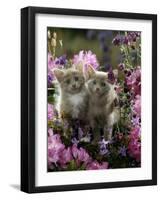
(88, 99)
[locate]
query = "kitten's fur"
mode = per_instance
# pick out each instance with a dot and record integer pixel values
(73, 93)
(102, 111)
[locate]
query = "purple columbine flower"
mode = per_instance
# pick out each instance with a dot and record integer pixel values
(111, 77)
(61, 60)
(122, 151)
(117, 40)
(74, 141)
(125, 40)
(103, 147)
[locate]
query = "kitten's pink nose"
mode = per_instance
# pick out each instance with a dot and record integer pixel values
(97, 89)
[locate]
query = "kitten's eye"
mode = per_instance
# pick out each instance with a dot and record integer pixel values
(76, 78)
(94, 82)
(103, 84)
(68, 81)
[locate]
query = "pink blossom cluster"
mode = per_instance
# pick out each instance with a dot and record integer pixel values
(133, 82)
(134, 147)
(87, 57)
(50, 111)
(61, 156)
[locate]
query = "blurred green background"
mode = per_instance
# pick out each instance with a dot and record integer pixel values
(97, 41)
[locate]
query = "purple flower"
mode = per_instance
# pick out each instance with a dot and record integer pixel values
(80, 133)
(117, 40)
(80, 155)
(103, 147)
(136, 120)
(133, 81)
(111, 77)
(122, 151)
(61, 60)
(137, 105)
(83, 156)
(75, 151)
(55, 148)
(50, 111)
(74, 140)
(65, 157)
(51, 65)
(51, 62)
(132, 36)
(126, 40)
(86, 58)
(50, 131)
(134, 146)
(50, 78)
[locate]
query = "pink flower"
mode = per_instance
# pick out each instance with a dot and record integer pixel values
(136, 120)
(50, 111)
(96, 165)
(135, 132)
(80, 155)
(75, 151)
(50, 131)
(83, 156)
(133, 81)
(134, 146)
(51, 62)
(55, 148)
(134, 149)
(54, 142)
(66, 156)
(137, 105)
(87, 58)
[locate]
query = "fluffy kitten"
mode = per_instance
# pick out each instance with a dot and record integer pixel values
(73, 93)
(103, 112)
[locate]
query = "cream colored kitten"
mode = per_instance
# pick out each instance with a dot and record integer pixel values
(102, 111)
(73, 93)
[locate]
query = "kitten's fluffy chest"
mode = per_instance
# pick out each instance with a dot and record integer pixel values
(75, 104)
(76, 99)
(100, 109)
(100, 106)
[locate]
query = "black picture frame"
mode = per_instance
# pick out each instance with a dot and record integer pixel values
(28, 98)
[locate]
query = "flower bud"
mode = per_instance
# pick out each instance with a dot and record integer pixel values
(53, 42)
(54, 35)
(49, 35)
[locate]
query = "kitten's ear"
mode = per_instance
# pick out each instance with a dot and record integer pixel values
(58, 74)
(90, 72)
(79, 67)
